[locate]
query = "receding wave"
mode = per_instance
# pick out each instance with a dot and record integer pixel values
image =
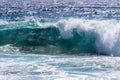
(71, 35)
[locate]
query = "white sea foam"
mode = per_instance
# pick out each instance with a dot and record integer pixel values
(108, 32)
(60, 67)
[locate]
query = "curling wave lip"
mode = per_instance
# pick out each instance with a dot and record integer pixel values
(67, 35)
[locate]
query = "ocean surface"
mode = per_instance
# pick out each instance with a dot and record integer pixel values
(59, 39)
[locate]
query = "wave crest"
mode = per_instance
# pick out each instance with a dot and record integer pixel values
(66, 35)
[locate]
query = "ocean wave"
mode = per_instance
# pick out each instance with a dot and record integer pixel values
(70, 35)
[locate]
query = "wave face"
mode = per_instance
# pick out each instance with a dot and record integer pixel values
(69, 35)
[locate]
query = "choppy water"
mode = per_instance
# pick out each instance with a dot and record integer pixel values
(59, 40)
(58, 67)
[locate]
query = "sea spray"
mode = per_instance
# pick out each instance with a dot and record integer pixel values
(68, 35)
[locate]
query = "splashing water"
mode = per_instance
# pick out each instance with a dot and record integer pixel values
(59, 39)
(80, 35)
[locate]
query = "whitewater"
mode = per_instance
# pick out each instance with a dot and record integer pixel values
(59, 40)
(72, 35)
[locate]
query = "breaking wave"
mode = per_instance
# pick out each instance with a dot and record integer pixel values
(70, 35)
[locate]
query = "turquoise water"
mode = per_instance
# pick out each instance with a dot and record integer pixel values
(62, 36)
(60, 50)
(59, 40)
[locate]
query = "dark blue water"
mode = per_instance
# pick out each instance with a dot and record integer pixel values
(59, 40)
